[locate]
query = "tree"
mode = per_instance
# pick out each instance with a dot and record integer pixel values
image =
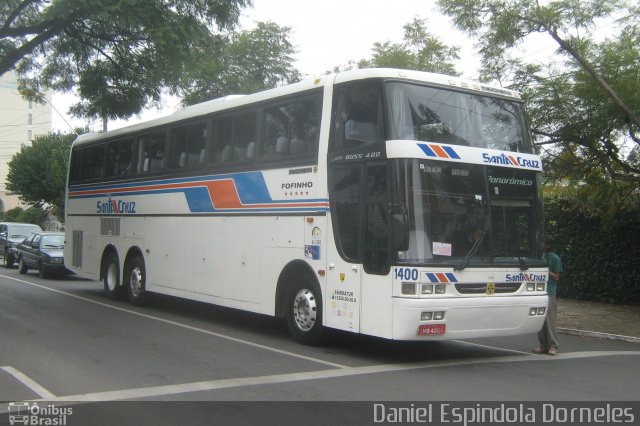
(243, 62)
(419, 51)
(118, 54)
(584, 102)
(38, 173)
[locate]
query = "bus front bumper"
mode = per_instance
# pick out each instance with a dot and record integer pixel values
(465, 318)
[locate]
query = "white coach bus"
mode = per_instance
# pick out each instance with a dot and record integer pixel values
(398, 204)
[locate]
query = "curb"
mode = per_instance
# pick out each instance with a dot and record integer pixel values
(599, 335)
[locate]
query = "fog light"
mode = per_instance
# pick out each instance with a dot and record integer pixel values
(408, 288)
(533, 311)
(427, 289)
(426, 316)
(531, 286)
(441, 288)
(438, 316)
(541, 311)
(540, 286)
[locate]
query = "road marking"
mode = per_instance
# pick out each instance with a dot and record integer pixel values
(178, 324)
(28, 382)
(478, 345)
(165, 390)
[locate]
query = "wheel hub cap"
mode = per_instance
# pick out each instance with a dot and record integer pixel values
(305, 309)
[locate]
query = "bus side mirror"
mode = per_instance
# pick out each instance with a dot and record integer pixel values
(399, 232)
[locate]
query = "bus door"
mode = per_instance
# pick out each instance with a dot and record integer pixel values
(360, 224)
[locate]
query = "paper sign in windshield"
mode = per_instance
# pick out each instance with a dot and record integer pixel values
(441, 249)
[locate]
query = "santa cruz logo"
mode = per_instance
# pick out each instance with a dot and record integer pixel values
(510, 160)
(526, 277)
(116, 207)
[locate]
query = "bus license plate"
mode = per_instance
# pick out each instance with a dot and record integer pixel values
(431, 329)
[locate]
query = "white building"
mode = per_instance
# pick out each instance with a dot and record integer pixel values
(20, 122)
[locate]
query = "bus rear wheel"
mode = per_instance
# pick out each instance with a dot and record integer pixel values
(304, 312)
(136, 275)
(111, 278)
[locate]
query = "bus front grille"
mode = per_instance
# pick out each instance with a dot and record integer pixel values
(481, 288)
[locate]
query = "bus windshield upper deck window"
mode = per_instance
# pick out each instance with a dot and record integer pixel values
(358, 116)
(439, 115)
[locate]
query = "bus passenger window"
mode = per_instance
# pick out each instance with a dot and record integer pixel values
(151, 152)
(93, 160)
(244, 137)
(196, 144)
(292, 129)
(179, 148)
(120, 157)
(222, 130)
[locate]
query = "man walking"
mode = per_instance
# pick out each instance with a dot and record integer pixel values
(548, 335)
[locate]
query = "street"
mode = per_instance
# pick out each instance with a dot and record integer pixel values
(63, 341)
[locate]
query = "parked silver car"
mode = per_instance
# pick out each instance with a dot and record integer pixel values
(12, 233)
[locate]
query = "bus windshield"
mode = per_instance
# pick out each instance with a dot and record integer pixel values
(467, 212)
(431, 114)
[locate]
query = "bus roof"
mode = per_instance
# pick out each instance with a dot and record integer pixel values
(232, 101)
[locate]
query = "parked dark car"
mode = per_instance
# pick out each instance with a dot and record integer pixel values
(42, 251)
(12, 233)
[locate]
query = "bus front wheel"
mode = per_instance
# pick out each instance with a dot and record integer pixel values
(111, 278)
(136, 276)
(304, 312)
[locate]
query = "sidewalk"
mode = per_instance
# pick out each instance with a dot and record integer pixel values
(594, 319)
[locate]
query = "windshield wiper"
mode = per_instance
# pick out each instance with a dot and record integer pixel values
(474, 248)
(523, 263)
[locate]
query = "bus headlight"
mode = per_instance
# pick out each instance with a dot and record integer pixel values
(441, 288)
(427, 289)
(531, 286)
(438, 315)
(540, 286)
(426, 316)
(533, 312)
(408, 289)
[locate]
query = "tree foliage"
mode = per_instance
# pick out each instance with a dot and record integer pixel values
(117, 54)
(242, 62)
(38, 173)
(585, 101)
(419, 50)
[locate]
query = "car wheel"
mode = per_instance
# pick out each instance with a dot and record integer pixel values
(42, 271)
(8, 259)
(22, 267)
(136, 277)
(111, 278)
(304, 311)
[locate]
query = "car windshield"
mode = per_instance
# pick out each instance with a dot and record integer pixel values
(52, 241)
(21, 231)
(467, 213)
(432, 114)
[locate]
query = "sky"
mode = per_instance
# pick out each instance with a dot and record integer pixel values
(325, 33)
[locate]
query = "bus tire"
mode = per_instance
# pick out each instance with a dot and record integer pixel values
(113, 289)
(304, 311)
(135, 275)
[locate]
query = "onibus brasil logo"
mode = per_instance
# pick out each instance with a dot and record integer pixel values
(25, 413)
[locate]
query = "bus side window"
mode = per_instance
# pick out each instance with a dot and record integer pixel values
(120, 157)
(93, 162)
(222, 130)
(151, 154)
(178, 147)
(292, 129)
(357, 119)
(196, 144)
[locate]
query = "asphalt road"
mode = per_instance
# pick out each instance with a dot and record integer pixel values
(63, 342)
